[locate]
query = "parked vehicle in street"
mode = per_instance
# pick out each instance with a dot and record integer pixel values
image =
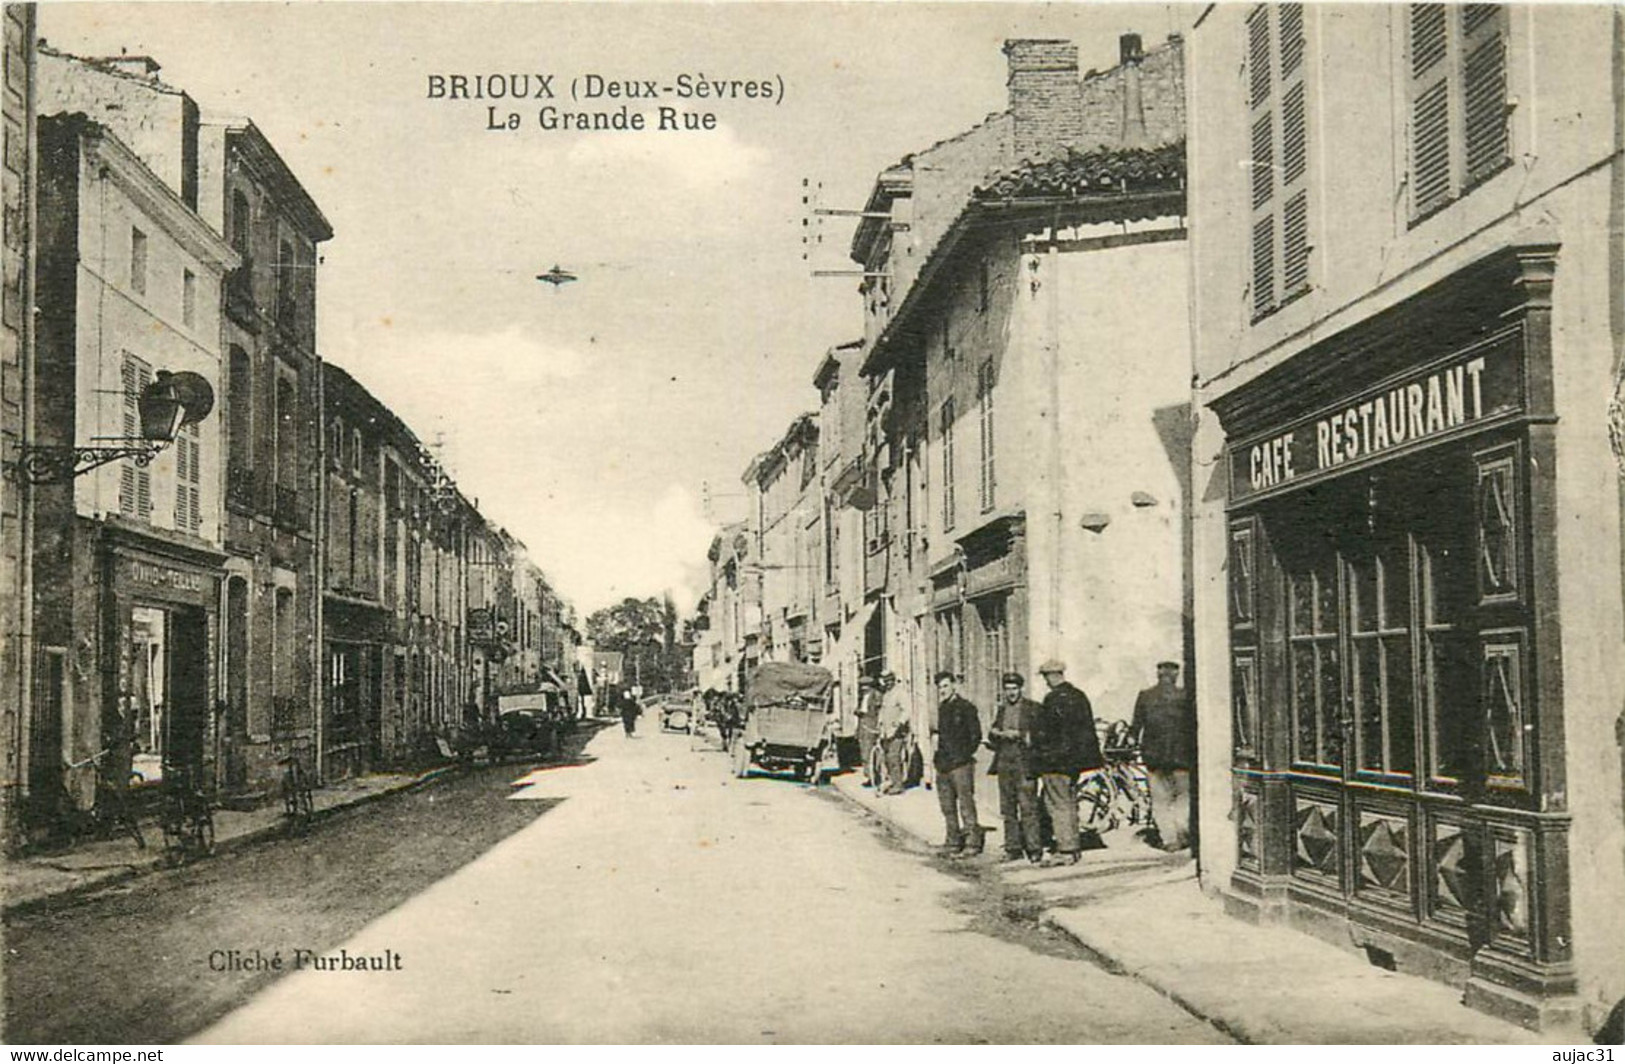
(787, 720)
(676, 714)
(528, 725)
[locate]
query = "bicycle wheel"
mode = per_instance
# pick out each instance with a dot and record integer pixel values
(1096, 805)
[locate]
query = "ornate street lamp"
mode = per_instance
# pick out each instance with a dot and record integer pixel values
(170, 402)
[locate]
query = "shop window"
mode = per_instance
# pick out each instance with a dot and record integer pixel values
(1314, 675)
(1279, 163)
(1380, 659)
(148, 695)
(135, 481)
(1459, 130)
(1445, 579)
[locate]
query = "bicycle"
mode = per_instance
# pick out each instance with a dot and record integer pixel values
(1121, 790)
(298, 795)
(187, 818)
(111, 812)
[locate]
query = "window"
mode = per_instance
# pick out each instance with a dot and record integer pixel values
(135, 481)
(1276, 50)
(335, 444)
(188, 480)
(984, 290)
(1459, 135)
(286, 267)
(948, 465)
(239, 223)
(357, 459)
(188, 298)
(138, 261)
(287, 432)
(240, 407)
(947, 341)
(984, 399)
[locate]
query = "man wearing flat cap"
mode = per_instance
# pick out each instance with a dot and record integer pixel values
(1165, 732)
(1011, 737)
(1064, 746)
(959, 735)
(868, 729)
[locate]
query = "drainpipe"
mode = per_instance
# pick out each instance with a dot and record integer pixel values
(1057, 464)
(319, 595)
(24, 703)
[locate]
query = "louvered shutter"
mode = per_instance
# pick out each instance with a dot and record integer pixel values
(1430, 108)
(1263, 264)
(1484, 91)
(183, 508)
(132, 429)
(1295, 243)
(195, 490)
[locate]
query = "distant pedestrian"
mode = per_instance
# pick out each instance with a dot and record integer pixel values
(1165, 730)
(959, 734)
(894, 735)
(868, 727)
(1064, 745)
(629, 712)
(1011, 738)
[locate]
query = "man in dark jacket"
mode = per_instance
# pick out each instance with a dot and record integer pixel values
(1011, 737)
(1064, 745)
(959, 734)
(1164, 728)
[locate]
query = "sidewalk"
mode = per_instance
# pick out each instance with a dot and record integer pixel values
(40, 880)
(1141, 912)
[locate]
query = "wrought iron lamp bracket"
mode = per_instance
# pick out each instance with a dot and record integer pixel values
(56, 465)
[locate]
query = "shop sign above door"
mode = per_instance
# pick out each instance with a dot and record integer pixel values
(1452, 395)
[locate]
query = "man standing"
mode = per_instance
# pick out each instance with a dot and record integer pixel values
(959, 734)
(868, 729)
(1011, 737)
(1064, 745)
(1164, 731)
(893, 734)
(630, 709)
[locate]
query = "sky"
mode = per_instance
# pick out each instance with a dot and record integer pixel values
(593, 420)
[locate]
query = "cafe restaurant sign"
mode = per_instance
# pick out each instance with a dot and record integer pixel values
(1456, 394)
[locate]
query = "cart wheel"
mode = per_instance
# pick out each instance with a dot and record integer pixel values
(741, 756)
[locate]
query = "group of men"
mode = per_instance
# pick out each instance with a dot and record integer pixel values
(1040, 750)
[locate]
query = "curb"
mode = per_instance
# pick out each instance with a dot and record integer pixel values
(1107, 962)
(156, 863)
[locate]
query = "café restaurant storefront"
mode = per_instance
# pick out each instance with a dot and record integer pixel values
(161, 609)
(1397, 701)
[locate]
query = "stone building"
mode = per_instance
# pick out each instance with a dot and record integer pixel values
(1028, 352)
(128, 559)
(16, 381)
(1409, 600)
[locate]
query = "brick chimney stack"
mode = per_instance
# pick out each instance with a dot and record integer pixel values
(1133, 134)
(1045, 97)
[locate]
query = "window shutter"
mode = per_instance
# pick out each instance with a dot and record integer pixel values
(1263, 162)
(1427, 37)
(1291, 34)
(1430, 152)
(1263, 264)
(1294, 136)
(183, 508)
(1295, 243)
(1484, 90)
(132, 429)
(1258, 54)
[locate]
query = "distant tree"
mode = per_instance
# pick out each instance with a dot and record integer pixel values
(642, 630)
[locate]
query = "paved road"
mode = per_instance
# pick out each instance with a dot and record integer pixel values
(133, 963)
(663, 901)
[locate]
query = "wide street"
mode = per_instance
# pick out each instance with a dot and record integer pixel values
(658, 900)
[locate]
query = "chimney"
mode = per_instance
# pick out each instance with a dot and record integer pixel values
(1133, 126)
(1045, 100)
